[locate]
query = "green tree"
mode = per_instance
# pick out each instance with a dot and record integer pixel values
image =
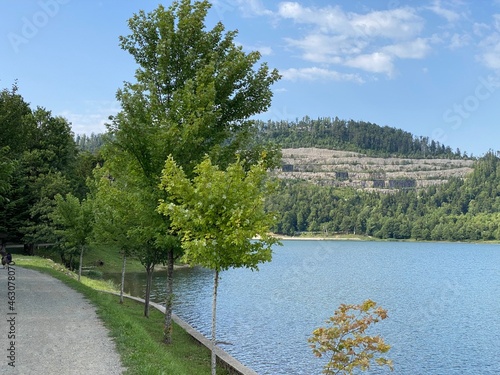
(73, 220)
(195, 93)
(15, 122)
(123, 221)
(6, 169)
(38, 228)
(218, 214)
(116, 213)
(41, 151)
(345, 341)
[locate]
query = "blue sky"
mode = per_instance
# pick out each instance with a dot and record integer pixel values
(429, 67)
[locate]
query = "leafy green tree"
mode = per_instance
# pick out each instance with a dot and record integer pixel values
(6, 169)
(345, 341)
(41, 152)
(218, 214)
(15, 122)
(195, 93)
(123, 221)
(73, 220)
(38, 228)
(115, 214)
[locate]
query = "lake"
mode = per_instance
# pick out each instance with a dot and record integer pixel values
(443, 302)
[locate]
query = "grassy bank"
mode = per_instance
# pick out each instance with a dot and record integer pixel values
(138, 339)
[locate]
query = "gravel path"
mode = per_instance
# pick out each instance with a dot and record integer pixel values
(56, 330)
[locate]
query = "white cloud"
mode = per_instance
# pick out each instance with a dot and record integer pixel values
(395, 23)
(253, 8)
(369, 41)
(264, 50)
(480, 29)
(415, 49)
(490, 51)
(92, 118)
(459, 41)
(377, 62)
(496, 21)
(401, 23)
(321, 48)
(315, 73)
(450, 15)
(489, 45)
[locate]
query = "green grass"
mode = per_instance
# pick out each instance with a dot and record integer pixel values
(111, 258)
(138, 339)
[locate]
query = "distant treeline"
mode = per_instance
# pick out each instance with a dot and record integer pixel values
(358, 136)
(39, 158)
(91, 143)
(459, 210)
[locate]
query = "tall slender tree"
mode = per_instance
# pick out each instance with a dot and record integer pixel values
(221, 216)
(195, 93)
(73, 221)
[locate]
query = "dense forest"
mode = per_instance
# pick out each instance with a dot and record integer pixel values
(459, 210)
(358, 136)
(40, 157)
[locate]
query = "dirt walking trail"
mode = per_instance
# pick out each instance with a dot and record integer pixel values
(47, 328)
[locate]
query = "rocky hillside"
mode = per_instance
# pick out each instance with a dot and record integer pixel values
(344, 168)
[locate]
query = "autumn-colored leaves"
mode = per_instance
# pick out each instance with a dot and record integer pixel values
(344, 339)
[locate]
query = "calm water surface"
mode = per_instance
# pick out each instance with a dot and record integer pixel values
(443, 301)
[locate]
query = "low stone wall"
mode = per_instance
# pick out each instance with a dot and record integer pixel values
(223, 358)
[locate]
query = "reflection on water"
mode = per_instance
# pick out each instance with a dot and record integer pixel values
(443, 302)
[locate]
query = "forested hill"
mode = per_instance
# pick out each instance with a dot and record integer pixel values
(458, 210)
(358, 136)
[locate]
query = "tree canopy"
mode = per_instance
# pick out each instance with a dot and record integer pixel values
(359, 136)
(39, 160)
(220, 214)
(221, 218)
(195, 92)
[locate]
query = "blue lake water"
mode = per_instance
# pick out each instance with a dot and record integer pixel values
(443, 301)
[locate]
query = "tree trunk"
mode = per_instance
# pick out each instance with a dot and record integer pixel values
(81, 263)
(167, 329)
(29, 249)
(123, 276)
(149, 279)
(214, 321)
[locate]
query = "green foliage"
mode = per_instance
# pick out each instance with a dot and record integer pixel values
(94, 274)
(6, 169)
(37, 160)
(459, 210)
(218, 214)
(352, 135)
(344, 341)
(15, 121)
(118, 213)
(73, 221)
(194, 94)
(90, 143)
